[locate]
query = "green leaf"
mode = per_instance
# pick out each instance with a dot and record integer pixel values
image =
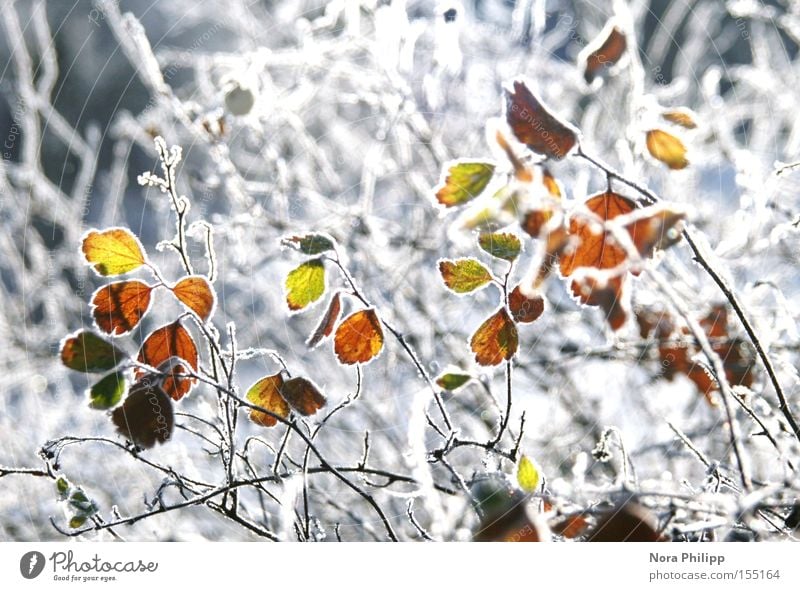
(62, 486)
(463, 181)
(464, 275)
(85, 351)
(77, 521)
(500, 245)
(527, 475)
(305, 284)
(310, 243)
(107, 392)
(452, 381)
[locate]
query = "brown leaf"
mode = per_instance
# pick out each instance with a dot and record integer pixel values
(146, 416)
(595, 246)
(196, 293)
(161, 346)
(303, 396)
(521, 172)
(604, 51)
(596, 289)
(496, 339)
(551, 184)
(327, 322)
(524, 308)
(266, 393)
(535, 126)
(118, 307)
(358, 338)
(629, 522)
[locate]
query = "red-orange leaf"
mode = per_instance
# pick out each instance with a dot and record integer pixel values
(146, 416)
(604, 51)
(524, 308)
(196, 294)
(628, 523)
(118, 307)
(496, 339)
(303, 396)
(359, 338)
(658, 227)
(595, 247)
(535, 126)
(327, 322)
(164, 344)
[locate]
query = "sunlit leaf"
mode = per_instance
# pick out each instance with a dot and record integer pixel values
(266, 394)
(535, 126)
(604, 51)
(521, 171)
(164, 344)
(113, 252)
(527, 475)
(107, 392)
(464, 275)
(302, 395)
(196, 294)
(551, 184)
(463, 181)
(667, 148)
(500, 245)
(682, 117)
(495, 340)
(359, 338)
(146, 417)
(327, 322)
(118, 307)
(452, 381)
(594, 246)
(310, 244)
(87, 352)
(524, 308)
(305, 284)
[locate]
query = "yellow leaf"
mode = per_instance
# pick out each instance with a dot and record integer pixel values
(667, 148)
(113, 252)
(527, 475)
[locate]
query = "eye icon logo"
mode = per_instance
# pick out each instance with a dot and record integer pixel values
(31, 564)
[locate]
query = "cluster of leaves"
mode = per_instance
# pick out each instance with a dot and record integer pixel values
(167, 356)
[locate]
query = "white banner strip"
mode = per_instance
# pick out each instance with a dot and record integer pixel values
(351, 566)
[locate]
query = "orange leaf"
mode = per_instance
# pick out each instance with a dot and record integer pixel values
(667, 148)
(596, 247)
(196, 294)
(359, 338)
(605, 50)
(164, 344)
(682, 117)
(570, 527)
(303, 396)
(496, 339)
(551, 184)
(266, 393)
(118, 307)
(327, 322)
(113, 252)
(535, 126)
(146, 416)
(524, 308)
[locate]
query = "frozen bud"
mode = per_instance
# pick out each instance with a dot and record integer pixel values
(239, 100)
